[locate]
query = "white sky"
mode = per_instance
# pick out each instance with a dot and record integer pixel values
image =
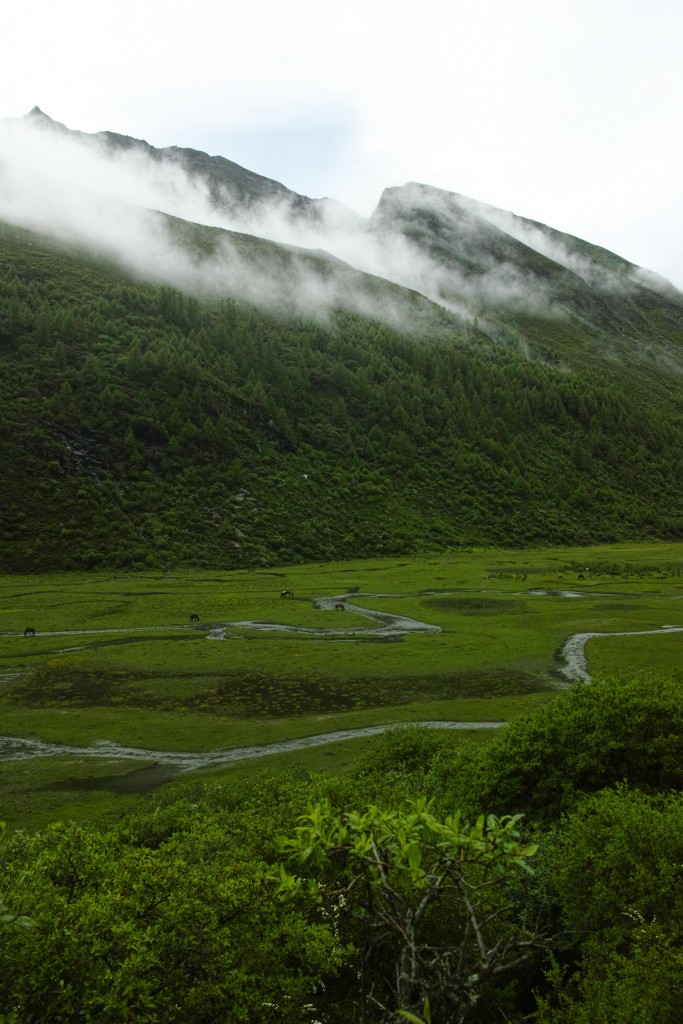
(566, 113)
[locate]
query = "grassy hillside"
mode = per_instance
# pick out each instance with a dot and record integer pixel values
(141, 426)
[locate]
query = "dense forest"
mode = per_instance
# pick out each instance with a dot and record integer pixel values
(141, 426)
(554, 897)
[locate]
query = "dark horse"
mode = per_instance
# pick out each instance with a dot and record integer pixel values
(286, 593)
(194, 617)
(339, 607)
(29, 631)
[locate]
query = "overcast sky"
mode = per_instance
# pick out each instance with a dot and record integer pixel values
(566, 113)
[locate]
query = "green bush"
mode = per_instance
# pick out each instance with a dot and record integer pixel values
(186, 932)
(617, 867)
(589, 738)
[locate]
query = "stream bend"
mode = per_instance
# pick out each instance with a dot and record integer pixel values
(16, 748)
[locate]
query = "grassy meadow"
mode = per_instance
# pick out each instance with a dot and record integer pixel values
(117, 657)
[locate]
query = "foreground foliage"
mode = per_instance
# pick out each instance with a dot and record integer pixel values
(432, 899)
(173, 915)
(593, 737)
(177, 931)
(617, 864)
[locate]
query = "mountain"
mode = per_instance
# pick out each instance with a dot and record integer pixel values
(201, 367)
(496, 265)
(229, 186)
(472, 259)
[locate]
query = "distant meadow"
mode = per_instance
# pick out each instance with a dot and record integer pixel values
(207, 661)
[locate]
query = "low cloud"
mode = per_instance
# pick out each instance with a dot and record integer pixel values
(108, 198)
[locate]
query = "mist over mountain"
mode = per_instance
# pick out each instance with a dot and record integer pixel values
(104, 191)
(200, 366)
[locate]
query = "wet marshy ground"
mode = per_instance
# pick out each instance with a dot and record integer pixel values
(253, 695)
(479, 605)
(240, 693)
(139, 780)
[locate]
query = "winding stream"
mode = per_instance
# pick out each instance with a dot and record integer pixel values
(386, 625)
(574, 650)
(14, 748)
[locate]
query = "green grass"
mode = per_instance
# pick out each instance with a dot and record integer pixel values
(39, 791)
(661, 654)
(31, 798)
(166, 687)
(158, 730)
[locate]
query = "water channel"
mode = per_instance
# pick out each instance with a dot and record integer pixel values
(573, 667)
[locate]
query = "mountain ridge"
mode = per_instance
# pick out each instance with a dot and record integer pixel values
(470, 223)
(236, 392)
(222, 176)
(251, 187)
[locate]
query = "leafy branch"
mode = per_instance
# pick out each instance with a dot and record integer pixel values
(438, 895)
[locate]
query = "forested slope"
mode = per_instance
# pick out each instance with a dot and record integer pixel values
(140, 426)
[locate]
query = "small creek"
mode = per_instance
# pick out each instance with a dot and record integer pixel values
(573, 652)
(387, 624)
(165, 763)
(16, 748)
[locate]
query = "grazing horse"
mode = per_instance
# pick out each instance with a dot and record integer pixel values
(286, 593)
(194, 617)
(29, 631)
(339, 607)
